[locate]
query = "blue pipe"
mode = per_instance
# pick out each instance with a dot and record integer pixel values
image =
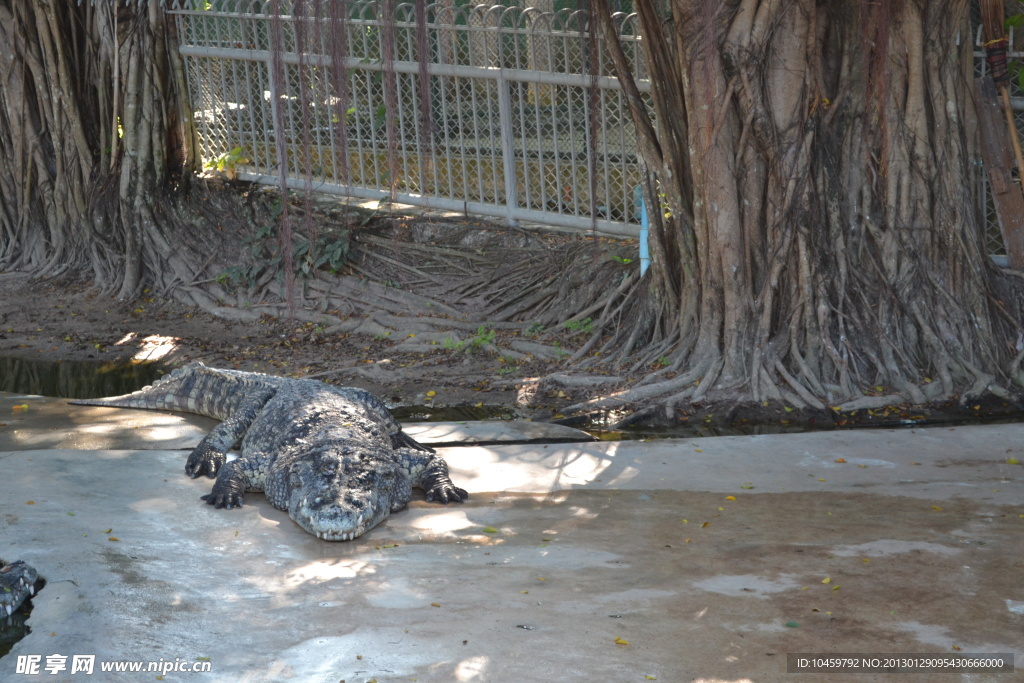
(640, 207)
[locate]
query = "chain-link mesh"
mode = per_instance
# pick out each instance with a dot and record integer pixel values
(507, 126)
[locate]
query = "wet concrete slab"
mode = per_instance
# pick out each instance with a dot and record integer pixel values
(674, 560)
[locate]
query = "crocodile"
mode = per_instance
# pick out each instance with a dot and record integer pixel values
(17, 582)
(333, 457)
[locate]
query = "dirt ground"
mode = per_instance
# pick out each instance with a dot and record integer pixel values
(68, 321)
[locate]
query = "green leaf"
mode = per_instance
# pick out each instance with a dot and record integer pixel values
(490, 530)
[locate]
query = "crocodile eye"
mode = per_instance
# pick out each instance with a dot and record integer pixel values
(294, 480)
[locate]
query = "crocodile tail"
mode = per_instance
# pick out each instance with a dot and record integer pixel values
(403, 440)
(174, 391)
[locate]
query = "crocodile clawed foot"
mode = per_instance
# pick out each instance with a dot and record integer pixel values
(447, 493)
(224, 500)
(204, 460)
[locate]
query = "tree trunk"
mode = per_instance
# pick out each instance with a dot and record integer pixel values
(96, 150)
(817, 162)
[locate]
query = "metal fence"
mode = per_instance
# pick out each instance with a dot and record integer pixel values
(507, 128)
(1015, 56)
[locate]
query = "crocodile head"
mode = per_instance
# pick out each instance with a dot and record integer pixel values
(343, 493)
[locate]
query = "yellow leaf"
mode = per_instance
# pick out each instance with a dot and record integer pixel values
(835, 588)
(820, 479)
(620, 641)
(865, 560)
(686, 521)
(479, 405)
(113, 538)
(699, 450)
(30, 502)
(787, 409)
(704, 524)
(936, 507)
(435, 604)
(1013, 461)
(431, 393)
(108, 531)
(840, 459)
(489, 530)
(827, 579)
(730, 497)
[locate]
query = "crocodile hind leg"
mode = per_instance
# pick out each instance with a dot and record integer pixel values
(209, 456)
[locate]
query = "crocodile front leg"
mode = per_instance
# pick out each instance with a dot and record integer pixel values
(430, 473)
(208, 457)
(230, 487)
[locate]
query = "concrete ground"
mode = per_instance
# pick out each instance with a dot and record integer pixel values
(674, 560)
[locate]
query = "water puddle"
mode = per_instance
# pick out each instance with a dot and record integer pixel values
(75, 379)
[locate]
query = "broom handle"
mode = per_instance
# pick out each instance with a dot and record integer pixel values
(1014, 138)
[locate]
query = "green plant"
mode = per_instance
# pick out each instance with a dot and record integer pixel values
(533, 330)
(482, 338)
(310, 256)
(225, 163)
(619, 259)
(586, 325)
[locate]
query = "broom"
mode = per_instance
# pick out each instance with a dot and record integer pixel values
(996, 45)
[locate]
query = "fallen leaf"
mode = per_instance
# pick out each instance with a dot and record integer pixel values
(489, 530)
(835, 588)
(620, 641)
(113, 538)
(827, 579)
(840, 459)
(792, 624)
(936, 507)
(730, 497)
(435, 604)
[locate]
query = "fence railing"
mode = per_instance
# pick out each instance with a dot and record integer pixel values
(489, 109)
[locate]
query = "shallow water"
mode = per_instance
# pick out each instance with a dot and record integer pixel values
(75, 379)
